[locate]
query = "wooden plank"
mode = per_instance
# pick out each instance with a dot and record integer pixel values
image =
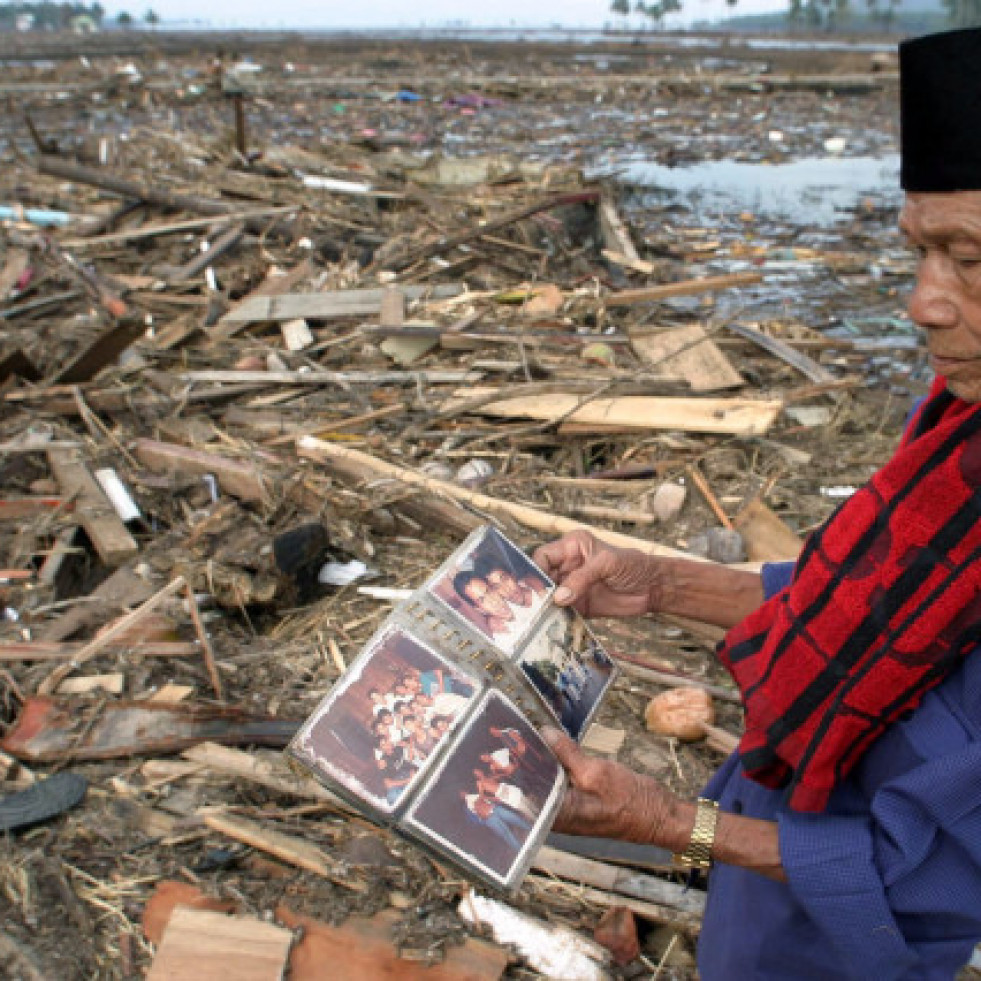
(737, 417)
(767, 537)
(780, 349)
(616, 238)
(39, 650)
(103, 640)
(690, 287)
(274, 283)
(210, 946)
(18, 365)
(102, 351)
(240, 479)
(110, 537)
(689, 353)
(328, 306)
(171, 227)
(270, 771)
(297, 851)
(18, 508)
(616, 879)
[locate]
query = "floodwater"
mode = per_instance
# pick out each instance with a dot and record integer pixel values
(811, 190)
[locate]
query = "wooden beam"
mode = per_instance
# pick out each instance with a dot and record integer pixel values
(289, 848)
(65, 650)
(19, 508)
(244, 480)
(363, 467)
(109, 536)
(735, 416)
(328, 306)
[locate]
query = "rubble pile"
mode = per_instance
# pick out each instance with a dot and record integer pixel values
(280, 324)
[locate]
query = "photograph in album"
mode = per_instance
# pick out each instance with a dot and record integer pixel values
(494, 796)
(568, 667)
(378, 728)
(495, 588)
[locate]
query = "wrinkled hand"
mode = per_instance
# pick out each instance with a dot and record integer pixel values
(600, 580)
(609, 800)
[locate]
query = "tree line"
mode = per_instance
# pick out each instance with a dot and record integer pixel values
(48, 16)
(820, 14)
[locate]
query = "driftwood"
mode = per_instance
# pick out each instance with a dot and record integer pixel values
(361, 467)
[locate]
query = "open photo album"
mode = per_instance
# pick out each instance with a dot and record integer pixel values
(433, 729)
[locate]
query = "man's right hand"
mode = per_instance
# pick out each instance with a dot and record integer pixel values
(600, 580)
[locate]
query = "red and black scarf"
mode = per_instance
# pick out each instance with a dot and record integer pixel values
(884, 602)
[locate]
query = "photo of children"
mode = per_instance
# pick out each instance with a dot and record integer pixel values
(498, 784)
(376, 729)
(568, 668)
(496, 588)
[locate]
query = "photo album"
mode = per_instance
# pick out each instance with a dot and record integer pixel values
(434, 729)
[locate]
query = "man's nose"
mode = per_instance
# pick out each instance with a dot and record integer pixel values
(931, 304)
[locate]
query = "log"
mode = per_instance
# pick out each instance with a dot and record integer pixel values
(68, 170)
(361, 467)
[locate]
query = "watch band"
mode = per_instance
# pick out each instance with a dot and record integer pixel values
(698, 854)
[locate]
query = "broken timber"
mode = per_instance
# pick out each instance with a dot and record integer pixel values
(736, 417)
(110, 537)
(360, 467)
(327, 306)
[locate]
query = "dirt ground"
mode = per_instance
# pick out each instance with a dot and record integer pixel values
(72, 891)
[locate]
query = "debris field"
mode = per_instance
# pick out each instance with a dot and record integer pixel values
(281, 320)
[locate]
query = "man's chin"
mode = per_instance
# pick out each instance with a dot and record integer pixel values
(966, 391)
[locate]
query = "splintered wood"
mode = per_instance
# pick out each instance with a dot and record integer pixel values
(211, 946)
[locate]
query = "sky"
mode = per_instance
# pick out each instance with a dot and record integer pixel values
(328, 14)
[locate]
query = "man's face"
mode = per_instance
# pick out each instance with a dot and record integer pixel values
(504, 583)
(945, 231)
(486, 600)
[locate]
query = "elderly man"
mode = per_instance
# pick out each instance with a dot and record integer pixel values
(845, 834)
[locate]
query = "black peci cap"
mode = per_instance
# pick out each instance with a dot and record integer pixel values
(940, 112)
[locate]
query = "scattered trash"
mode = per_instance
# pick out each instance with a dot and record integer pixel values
(281, 321)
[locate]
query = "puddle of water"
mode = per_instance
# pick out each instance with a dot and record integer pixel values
(812, 191)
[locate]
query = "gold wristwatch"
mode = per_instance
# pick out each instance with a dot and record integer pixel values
(698, 854)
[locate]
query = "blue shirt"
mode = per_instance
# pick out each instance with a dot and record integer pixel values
(886, 883)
